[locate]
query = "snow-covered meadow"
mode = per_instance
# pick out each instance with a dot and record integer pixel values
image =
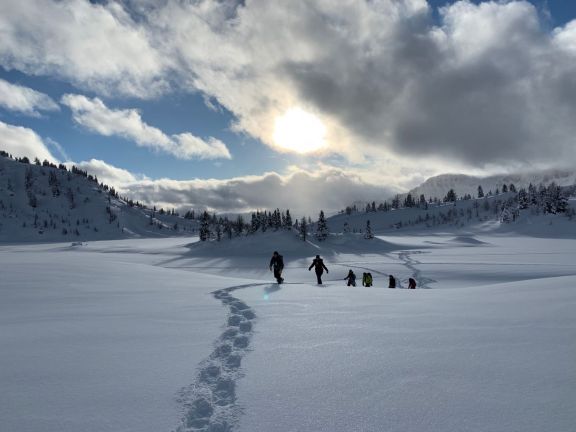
(170, 334)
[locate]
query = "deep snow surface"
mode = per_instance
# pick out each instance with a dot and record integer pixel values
(155, 335)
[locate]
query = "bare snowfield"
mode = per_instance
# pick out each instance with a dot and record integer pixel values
(166, 334)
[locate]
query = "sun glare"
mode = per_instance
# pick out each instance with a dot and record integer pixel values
(299, 131)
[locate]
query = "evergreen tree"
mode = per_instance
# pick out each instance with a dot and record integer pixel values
(541, 196)
(507, 215)
(254, 225)
(450, 196)
(396, 202)
(512, 188)
(523, 200)
(204, 226)
(368, 234)
(271, 223)
(238, 226)
(275, 220)
(263, 221)
(532, 195)
(504, 188)
(554, 200)
(227, 228)
(409, 201)
(32, 200)
(422, 202)
(480, 192)
(303, 229)
(288, 221)
(321, 227)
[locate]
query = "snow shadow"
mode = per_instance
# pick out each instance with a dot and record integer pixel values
(467, 241)
(272, 289)
(261, 245)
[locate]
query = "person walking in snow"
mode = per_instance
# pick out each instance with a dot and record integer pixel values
(367, 279)
(411, 283)
(351, 278)
(277, 264)
(392, 282)
(319, 267)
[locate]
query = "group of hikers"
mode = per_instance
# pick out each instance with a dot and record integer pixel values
(277, 265)
(367, 280)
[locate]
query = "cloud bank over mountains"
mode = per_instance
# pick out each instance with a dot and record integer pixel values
(302, 191)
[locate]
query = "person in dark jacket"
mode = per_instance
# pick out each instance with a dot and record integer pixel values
(411, 283)
(392, 282)
(351, 278)
(277, 264)
(319, 268)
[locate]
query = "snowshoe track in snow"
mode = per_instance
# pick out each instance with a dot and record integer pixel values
(210, 402)
(410, 263)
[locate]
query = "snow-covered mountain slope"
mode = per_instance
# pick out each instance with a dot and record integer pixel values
(438, 186)
(481, 215)
(46, 203)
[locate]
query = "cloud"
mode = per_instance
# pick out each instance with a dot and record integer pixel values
(486, 84)
(25, 100)
(94, 115)
(480, 84)
(301, 191)
(190, 146)
(106, 173)
(20, 141)
(96, 46)
(59, 149)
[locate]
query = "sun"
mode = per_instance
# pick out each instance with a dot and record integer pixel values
(299, 131)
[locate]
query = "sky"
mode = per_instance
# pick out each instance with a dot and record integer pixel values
(235, 105)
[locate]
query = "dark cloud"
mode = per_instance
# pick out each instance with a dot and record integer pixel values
(488, 86)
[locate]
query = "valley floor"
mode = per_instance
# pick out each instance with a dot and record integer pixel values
(155, 335)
